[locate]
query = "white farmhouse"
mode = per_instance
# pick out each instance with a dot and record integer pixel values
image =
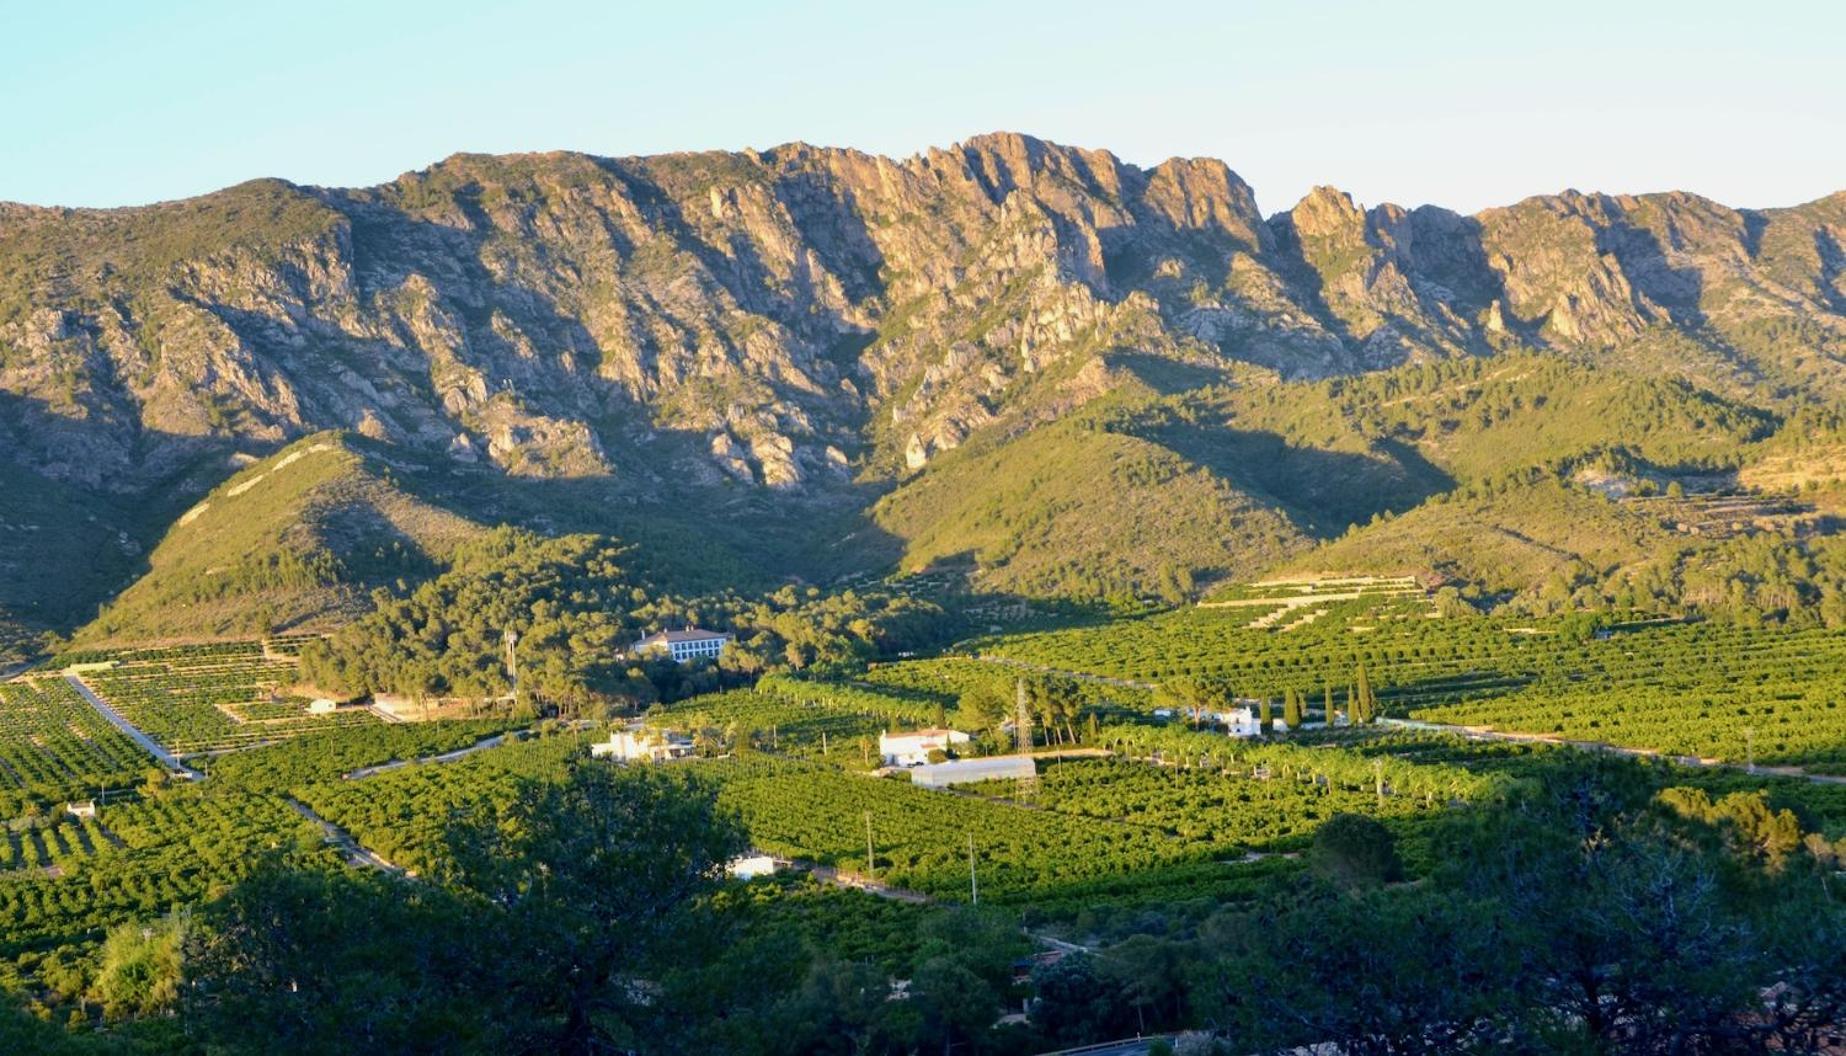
(913, 748)
(684, 645)
(1242, 722)
(645, 746)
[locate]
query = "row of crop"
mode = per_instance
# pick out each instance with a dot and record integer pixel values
(184, 697)
(53, 746)
(1330, 764)
(920, 839)
(146, 857)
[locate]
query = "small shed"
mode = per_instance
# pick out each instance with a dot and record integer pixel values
(965, 771)
(81, 808)
(322, 706)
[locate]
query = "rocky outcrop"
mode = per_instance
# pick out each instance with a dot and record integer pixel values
(806, 316)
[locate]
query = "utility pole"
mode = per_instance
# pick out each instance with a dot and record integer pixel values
(1749, 740)
(1378, 775)
(511, 639)
(869, 867)
(823, 743)
(974, 888)
(1022, 719)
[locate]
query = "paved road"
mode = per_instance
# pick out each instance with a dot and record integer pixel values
(153, 747)
(1125, 1047)
(355, 853)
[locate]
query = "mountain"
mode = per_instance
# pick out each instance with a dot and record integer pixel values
(785, 351)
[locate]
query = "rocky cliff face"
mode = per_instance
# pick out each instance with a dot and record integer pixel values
(794, 318)
(790, 325)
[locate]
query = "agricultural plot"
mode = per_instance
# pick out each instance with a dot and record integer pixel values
(403, 814)
(1777, 698)
(50, 843)
(920, 839)
(205, 698)
(53, 746)
(139, 859)
(1702, 689)
(1218, 807)
(796, 723)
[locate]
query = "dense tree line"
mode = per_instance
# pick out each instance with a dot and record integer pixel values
(576, 604)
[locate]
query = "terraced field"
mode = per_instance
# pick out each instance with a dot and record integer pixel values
(208, 698)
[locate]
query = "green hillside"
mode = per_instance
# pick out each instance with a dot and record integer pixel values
(1501, 540)
(1077, 508)
(294, 540)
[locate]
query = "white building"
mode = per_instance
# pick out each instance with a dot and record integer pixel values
(750, 866)
(645, 746)
(685, 645)
(913, 748)
(1243, 722)
(322, 706)
(964, 771)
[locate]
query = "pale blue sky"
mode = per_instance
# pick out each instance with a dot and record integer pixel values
(1463, 104)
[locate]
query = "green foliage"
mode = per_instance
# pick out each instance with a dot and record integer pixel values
(141, 971)
(1354, 850)
(197, 698)
(55, 747)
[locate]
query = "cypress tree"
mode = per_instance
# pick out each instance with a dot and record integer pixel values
(1367, 704)
(1291, 708)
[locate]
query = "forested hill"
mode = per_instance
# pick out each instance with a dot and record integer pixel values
(811, 361)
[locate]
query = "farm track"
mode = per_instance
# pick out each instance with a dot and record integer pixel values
(827, 874)
(1488, 733)
(153, 747)
(444, 757)
(356, 854)
(1046, 669)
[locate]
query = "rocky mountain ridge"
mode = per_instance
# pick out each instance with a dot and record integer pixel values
(807, 323)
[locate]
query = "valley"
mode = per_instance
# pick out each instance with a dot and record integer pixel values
(1288, 613)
